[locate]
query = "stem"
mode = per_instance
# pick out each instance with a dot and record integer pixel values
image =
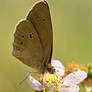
(43, 89)
(82, 87)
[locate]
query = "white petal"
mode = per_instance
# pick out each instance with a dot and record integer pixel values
(74, 78)
(51, 90)
(34, 83)
(70, 89)
(59, 68)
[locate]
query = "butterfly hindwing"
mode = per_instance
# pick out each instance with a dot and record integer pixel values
(26, 45)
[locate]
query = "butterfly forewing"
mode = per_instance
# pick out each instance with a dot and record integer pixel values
(27, 46)
(39, 15)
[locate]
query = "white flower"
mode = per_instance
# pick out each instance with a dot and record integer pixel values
(34, 83)
(66, 84)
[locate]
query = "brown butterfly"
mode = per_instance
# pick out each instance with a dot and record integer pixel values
(33, 38)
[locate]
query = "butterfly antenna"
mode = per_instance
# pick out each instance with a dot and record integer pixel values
(26, 77)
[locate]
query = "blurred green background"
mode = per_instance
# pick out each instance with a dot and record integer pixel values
(72, 29)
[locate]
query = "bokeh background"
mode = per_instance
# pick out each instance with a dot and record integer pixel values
(72, 29)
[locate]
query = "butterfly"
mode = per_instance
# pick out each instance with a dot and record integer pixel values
(33, 38)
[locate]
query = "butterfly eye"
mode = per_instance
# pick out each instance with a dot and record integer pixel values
(50, 70)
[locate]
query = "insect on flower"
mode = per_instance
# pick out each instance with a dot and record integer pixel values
(57, 81)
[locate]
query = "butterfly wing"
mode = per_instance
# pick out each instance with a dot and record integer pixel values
(39, 15)
(26, 46)
(33, 37)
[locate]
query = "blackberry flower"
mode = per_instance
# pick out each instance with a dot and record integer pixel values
(58, 81)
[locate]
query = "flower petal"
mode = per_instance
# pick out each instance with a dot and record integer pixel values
(70, 89)
(74, 78)
(59, 68)
(34, 83)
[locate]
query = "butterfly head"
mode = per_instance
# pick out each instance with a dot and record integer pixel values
(50, 69)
